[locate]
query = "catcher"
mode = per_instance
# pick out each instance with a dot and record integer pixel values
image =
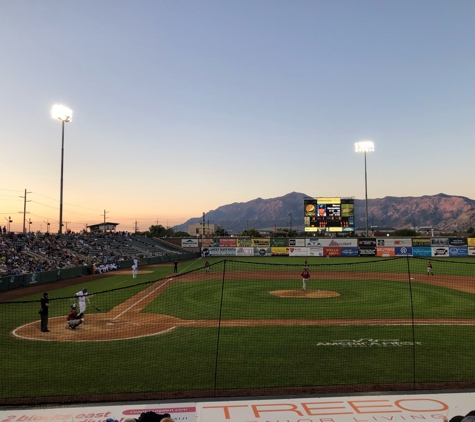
(74, 320)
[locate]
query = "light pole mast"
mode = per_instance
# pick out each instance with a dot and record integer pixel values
(364, 147)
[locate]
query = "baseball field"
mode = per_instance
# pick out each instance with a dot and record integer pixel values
(246, 327)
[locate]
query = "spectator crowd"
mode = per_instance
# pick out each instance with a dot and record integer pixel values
(36, 252)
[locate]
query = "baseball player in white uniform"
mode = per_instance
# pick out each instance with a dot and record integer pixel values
(81, 297)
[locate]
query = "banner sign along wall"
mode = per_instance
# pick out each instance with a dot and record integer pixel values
(455, 251)
(227, 242)
(367, 243)
(189, 243)
(279, 250)
(244, 242)
(385, 252)
(278, 241)
(421, 242)
(429, 407)
(440, 251)
(457, 241)
(315, 251)
(439, 241)
(299, 251)
(261, 242)
(471, 241)
(471, 251)
(367, 251)
(301, 242)
(222, 251)
(422, 251)
(262, 252)
(349, 251)
(393, 242)
(331, 251)
(403, 251)
(244, 251)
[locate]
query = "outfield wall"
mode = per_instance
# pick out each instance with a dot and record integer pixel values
(333, 247)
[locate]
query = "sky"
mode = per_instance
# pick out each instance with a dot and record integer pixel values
(180, 107)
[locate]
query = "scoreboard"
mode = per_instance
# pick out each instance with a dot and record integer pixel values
(329, 214)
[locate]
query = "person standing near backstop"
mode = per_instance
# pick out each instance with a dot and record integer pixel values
(44, 312)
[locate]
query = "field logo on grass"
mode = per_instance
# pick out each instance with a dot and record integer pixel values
(369, 342)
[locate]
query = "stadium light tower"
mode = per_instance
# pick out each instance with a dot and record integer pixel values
(65, 115)
(365, 146)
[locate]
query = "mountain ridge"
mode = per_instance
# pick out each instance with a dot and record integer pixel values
(442, 212)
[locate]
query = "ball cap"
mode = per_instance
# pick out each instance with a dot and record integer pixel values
(45, 294)
(73, 305)
(84, 290)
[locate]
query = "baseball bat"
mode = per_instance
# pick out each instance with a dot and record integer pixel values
(97, 309)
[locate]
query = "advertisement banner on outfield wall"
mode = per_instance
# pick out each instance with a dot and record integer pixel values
(457, 241)
(403, 251)
(422, 251)
(245, 251)
(455, 251)
(367, 251)
(222, 251)
(299, 251)
(301, 242)
(227, 242)
(262, 252)
(334, 243)
(315, 251)
(367, 243)
(471, 241)
(385, 251)
(314, 241)
(421, 242)
(278, 241)
(349, 251)
(393, 242)
(245, 243)
(439, 241)
(279, 250)
(329, 251)
(208, 243)
(189, 243)
(261, 243)
(471, 251)
(440, 251)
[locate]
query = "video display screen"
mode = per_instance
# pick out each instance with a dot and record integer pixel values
(329, 214)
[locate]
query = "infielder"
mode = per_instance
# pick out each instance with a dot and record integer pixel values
(81, 297)
(305, 276)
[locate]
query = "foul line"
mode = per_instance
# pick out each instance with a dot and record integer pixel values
(140, 300)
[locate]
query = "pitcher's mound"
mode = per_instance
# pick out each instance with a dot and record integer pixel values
(315, 294)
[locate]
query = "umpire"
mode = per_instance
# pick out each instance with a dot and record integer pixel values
(44, 312)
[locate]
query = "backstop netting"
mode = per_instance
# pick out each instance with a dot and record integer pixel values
(245, 328)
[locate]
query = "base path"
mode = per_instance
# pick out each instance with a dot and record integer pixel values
(126, 321)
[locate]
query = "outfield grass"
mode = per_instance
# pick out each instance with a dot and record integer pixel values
(194, 358)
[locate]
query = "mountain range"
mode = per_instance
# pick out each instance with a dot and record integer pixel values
(441, 212)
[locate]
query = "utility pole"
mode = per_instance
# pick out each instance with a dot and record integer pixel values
(136, 226)
(66, 222)
(24, 211)
(105, 213)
